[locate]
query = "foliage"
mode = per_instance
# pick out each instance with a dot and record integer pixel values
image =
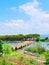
(16, 54)
(28, 61)
(38, 39)
(21, 47)
(23, 59)
(44, 39)
(7, 49)
(47, 58)
(29, 49)
(31, 62)
(1, 48)
(19, 37)
(20, 57)
(5, 62)
(39, 50)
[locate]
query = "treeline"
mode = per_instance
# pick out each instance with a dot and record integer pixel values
(20, 37)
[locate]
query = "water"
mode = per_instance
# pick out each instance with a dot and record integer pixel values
(43, 44)
(39, 44)
(12, 42)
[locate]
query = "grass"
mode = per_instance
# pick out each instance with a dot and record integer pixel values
(23, 59)
(38, 50)
(15, 57)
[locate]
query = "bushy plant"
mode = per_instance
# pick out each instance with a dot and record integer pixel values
(7, 49)
(1, 48)
(20, 47)
(16, 54)
(38, 50)
(47, 58)
(42, 39)
(29, 49)
(31, 62)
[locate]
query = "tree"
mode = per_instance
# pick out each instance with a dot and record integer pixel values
(20, 37)
(46, 38)
(1, 48)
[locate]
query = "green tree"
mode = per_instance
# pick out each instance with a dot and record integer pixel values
(1, 47)
(36, 37)
(47, 58)
(46, 38)
(20, 37)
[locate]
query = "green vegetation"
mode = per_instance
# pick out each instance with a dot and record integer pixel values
(1, 48)
(44, 39)
(47, 58)
(21, 47)
(23, 59)
(11, 57)
(3, 62)
(20, 37)
(38, 50)
(16, 58)
(7, 49)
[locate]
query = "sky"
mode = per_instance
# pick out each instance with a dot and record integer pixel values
(24, 17)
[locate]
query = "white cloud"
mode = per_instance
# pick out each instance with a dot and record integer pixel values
(14, 27)
(38, 23)
(39, 18)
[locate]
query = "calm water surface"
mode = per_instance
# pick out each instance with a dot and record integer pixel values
(15, 42)
(43, 44)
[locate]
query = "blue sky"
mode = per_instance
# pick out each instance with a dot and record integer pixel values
(24, 17)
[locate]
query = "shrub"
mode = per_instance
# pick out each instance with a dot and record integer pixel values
(31, 62)
(16, 54)
(47, 58)
(1, 48)
(39, 50)
(7, 49)
(20, 47)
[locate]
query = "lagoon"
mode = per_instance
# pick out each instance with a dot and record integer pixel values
(43, 44)
(12, 42)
